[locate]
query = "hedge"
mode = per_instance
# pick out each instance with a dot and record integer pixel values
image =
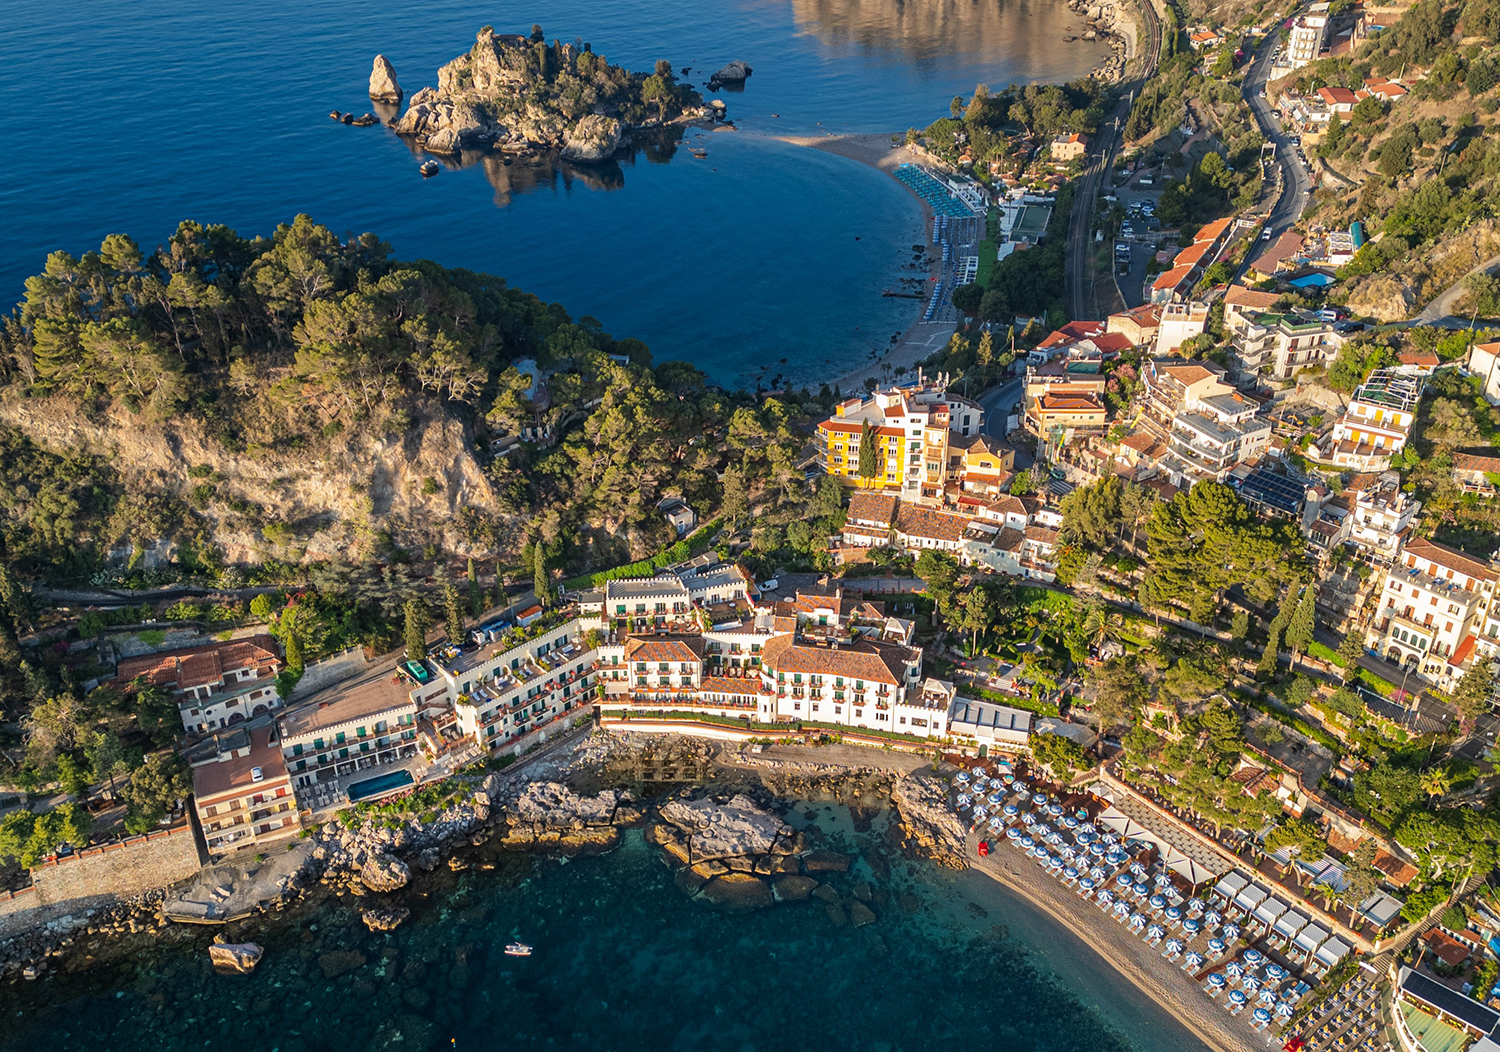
(1041, 708)
(697, 541)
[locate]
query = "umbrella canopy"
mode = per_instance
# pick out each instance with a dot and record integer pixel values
(1123, 880)
(1250, 983)
(1267, 997)
(1070, 821)
(1285, 1011)
(1142, 890)
(1217, 981)
(1174, 945)
(1054, 809)
(1138, 869)
(1216, 945)
(1194, 959)
(1234, 969)
(980, 811)
(996, 798)
(1013, 833)
(1028, 843)
(1157, 902)
(1104, 898)
(1055, 839)
(1237, 997)
(1262, 1016)
(1275, 971)
(1195, 905)
(1213, 917)
(1122, 909)
(1086, 883)
(1191, 926)
(961, 777)
(1254, 957)
(997, 823)
(964, 799)
(1011, 809)
(1231, 932)
(1071, 872)
(1172, 912)
(1096, 849)
(1114, 856)
(1156, 931)
(1039, 798)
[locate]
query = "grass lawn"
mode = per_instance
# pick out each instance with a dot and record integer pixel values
(987, 252)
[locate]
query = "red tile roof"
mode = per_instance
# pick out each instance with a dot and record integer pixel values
(872, 507)
(199, 666)
(1239, 296)
(1450, 558)
(864, 660)
(1212, 231)
(914, 521)
(1171, 279)
(672, 648)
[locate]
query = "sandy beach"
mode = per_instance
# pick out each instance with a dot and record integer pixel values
(922, 339)
(1158, 978)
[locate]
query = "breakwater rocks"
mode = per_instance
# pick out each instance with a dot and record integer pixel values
(1111, 21)
(33, 953)
(548, 814)
(930, 826)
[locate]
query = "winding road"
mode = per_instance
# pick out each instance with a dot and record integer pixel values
(1296, 182)
(1078, 281)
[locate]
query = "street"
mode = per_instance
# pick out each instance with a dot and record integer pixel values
(1296, 180)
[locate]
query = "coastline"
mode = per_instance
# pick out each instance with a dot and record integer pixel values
(1167, 985)
(920, 340)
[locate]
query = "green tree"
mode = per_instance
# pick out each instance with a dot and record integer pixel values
(476, 593)
(1351, 649)
(1239, 624)
(1059, 754)
(153, 789)
(1299, 632)
(1119, 691)
(453, 613)
(106, 756)
(1091, 514)
(1475, 691)
(1437, 781)
(417, 621)
(939, 574)
(72, 774)
(156, 713)
(869, 466)
(1266, 669)
(1361, 877)
(540, 583)
(27, 838)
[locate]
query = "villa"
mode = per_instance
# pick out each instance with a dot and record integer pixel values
(216, 685)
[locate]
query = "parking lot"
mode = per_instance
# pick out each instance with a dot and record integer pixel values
(1136, 242)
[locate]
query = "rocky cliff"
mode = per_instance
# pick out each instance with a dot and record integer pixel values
(383, 85)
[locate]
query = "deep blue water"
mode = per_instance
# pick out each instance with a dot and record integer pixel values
(131, 115)
(622, 961)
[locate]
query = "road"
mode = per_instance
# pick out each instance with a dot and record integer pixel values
(1441, 309)
(1079, 272)
(1296, 183)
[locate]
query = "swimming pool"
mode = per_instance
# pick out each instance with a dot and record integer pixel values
(379, 785)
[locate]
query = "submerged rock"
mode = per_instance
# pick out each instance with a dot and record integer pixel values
(825, 861)
(340, 962)
(737, 891)
(383, 84)
(860, 914)
(235, 958)
(386, 918)
(793, 889)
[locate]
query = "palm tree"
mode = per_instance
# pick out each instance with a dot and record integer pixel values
(1436, 781)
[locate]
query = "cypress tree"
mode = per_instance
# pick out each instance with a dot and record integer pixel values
(539, 575)
(453, 613)
(867, 454)
(1351, 650)
(417, 620)
(476, 594)
(1299, 634)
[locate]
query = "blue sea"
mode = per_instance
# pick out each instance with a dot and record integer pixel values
(131, 115)
(622, 960)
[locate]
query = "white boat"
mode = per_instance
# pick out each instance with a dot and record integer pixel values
(517, 949)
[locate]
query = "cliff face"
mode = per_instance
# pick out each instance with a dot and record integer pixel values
(335, 495)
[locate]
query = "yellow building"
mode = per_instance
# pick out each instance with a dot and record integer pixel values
(916, 429)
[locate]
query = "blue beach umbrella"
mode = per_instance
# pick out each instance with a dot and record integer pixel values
(1191, 926)
(1231, 932)
(1011, 809)
(1275, 971)
(1123, 880)
(1217, 981)
(1070, 821)
(1173, 913)
(1174, 946)
(1086, 883)
(964, 799)
(961, 777)
(997, 823)
(1071, 872)
(1013, 833)
(1028, 843)
(1285, 1011)
(1216, 945)
(1055, 809)
(1194, 906)
(1194, 960)
(1262, 1016)
(1156, 931)
(1097, 873)
(1039, 799)
(996, 798)
(1157, 902)
(1213, 918)
(1237, 997)
(1142, 890)
(1254, 957)
(1267, 997)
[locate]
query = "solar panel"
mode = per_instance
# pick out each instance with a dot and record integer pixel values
(1449, 1001)
(1274, 491)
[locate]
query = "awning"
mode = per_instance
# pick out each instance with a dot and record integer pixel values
(1268, 912)
(1251, 897)
(1311, 937)
(1332, 952)
(1232, 884)
(1289, 924)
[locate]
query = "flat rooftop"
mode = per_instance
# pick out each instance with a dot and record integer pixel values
(344, 703)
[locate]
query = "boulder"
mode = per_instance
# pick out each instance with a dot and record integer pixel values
(735, 829)
(387, 918)
(384, 873)
(593, 139)
(428, 860)
(793, 889)
(339, 962)
(235, 958)
(836, 914)
(737, 891)
(825, 861)
(864, 892)
(823, 893)
(383, 85)
(443, 142)
(860, 914)
(733, 73)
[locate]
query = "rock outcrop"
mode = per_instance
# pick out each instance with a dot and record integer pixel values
(235, 958)
(734, 73)
(384, 873)
(593, 139)
(548, 813)
(384, 918)
(383, 84)
(931, 828)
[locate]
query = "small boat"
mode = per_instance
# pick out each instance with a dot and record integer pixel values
(517, 949)
(429, 169)
(700, 153)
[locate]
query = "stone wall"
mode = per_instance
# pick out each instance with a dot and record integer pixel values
(122, 869)
(332, 669)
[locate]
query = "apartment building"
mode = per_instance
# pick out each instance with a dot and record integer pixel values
(986, 467)
(1069, 408)
(1381, 516)
(341, 731)
(864, 683)
(1210, 444)
(915, 428)
(1070, 147)
(918, 529)
(1308, 34)
(1375, 424)
(1276, 346)
(216, 685)
(1242, 304)
(1180, 322)
(1139, 325)
(242, 792)
(1175, 385)
(1434, 607)
(1484, 362)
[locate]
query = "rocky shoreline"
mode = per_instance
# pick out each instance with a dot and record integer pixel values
(724, 837)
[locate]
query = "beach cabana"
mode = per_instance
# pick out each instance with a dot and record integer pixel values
(1269, 910)
(1332, 952)
(1251, 897)
(1310, 938)
(1289, 924)
(1226, 889)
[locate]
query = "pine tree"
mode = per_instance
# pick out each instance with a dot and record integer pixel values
(453, 613)
(985, 355)
(868, 468)
(1350, 651)
(476, 594)
(293, 647)
(417, 620)
(1267, 667)
(1475, 691)
(1239, 624)
(1299, 633)
(539, 582)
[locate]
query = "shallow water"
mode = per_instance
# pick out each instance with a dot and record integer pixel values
(623, 961)
(131, 115)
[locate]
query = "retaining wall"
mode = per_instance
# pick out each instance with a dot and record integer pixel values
(333, 669)
(124, 868)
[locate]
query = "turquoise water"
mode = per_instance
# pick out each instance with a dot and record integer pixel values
(131, 115)
(376, 786)
(623, 960)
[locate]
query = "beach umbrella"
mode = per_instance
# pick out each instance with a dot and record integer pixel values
(1141, 890)
(1138, 869)
(961, 777)
(1217, 981)
(1216, 946)
(1013, 833)
(1276, 971)
(1161, 880)
(1122, 910)
(1262, 1016)
(1011, 809)
(996, 824)
(1097, 873)
(1110, 838)
(1085, 838)
(1156, 931)
(1115, 856)
(1267, 997)
(1137, 922)
(1235, 969)
(1285, 1011)
(1194, 960)
(1250, 983)
(1055, 840)
(1157, 902)
(1029, 818)
(1071, 872)
(1070, 821)
(980, 811)
(1254, 957)
(1104, 898)
(1054, 809)
(1191, 926)
(1096, 849)
(1174, 946)
(1195, 906)
(1237, 997)
(1087, 883)
(1172, 912)
(1123, 880)
(1028, 843)
(1213, 918)
(996, 798)
(1231, 932)
(1039, 798)
(964, 800)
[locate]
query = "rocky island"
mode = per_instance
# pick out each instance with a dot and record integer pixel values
(519, 93)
